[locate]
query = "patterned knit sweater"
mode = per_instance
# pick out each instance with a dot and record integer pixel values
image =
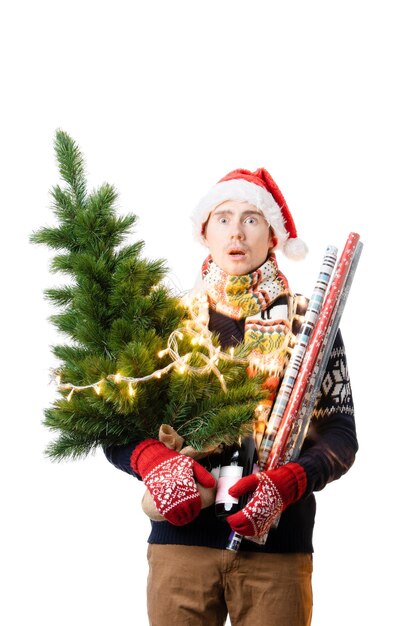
(328, 452)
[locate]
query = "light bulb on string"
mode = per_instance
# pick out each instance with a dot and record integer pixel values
(197, 330)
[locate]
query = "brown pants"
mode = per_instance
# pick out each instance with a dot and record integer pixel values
(196, 586)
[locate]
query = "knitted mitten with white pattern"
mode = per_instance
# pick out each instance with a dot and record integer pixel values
(171, 480)
(274, 490)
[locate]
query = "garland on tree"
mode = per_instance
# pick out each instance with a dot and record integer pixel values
(136, 357)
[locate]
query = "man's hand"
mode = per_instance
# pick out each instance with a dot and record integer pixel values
(274, 490)
(171, 480)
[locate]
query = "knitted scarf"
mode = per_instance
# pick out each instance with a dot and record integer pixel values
(251, 297)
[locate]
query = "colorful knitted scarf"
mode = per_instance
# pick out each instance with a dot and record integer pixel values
(252, 297)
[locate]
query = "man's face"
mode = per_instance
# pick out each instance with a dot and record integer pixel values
(238, 237)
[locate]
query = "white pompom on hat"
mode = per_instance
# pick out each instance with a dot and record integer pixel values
(260, 189)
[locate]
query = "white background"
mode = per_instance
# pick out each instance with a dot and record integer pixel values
(164, 98)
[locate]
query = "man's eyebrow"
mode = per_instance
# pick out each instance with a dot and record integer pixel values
(228, 212)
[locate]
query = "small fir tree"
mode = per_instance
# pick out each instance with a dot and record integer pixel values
(117, 316)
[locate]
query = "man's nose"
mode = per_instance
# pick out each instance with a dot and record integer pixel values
(237, 231)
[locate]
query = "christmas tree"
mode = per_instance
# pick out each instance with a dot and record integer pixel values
(135, 357)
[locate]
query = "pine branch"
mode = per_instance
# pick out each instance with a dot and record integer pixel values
(62, 263)
(55, 238)
(128, 252)
(70, 354)
(69, 447)
(71, 166)
(60, 296)
(63, 205)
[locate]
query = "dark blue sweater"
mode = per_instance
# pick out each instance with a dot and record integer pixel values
(328, 452)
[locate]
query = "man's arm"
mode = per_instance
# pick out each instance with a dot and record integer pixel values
(331, 444)
(120, 457)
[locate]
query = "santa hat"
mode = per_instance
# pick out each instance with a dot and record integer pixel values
(260, 189)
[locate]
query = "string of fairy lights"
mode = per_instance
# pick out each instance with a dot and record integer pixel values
(196, 330)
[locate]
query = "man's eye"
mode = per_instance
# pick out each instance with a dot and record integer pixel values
(222, 220)
(250, 220)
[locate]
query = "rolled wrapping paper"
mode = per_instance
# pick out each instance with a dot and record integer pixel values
(334, 300)
(329, 319)
(285, 451)
(293, 367)
(299, 430)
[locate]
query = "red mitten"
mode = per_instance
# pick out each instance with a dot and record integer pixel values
(274, 490)
(171, 480)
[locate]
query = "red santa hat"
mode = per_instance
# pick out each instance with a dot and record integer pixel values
(260, 189)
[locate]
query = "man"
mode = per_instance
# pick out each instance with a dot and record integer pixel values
(193, 579)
